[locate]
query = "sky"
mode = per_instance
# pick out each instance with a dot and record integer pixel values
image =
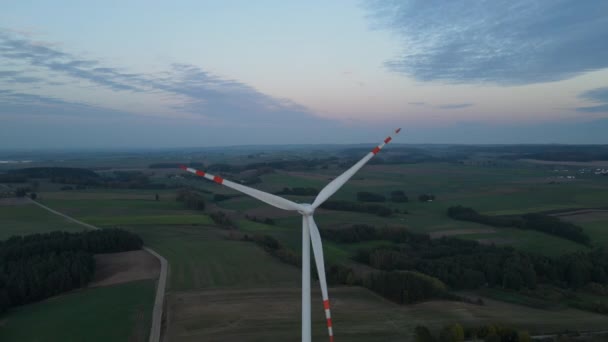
(112, 74)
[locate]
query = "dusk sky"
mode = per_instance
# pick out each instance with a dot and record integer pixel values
(110, 74)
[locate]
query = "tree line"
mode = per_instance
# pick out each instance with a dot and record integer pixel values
(174, 165)
(376, 209)
(221, 219)
(462, 264)
(397, 196)
(533, 221)
(276, 249)
(38, 266)
(487, 333)
(363, 232)
(82, 178)
(299, 191)
(191, 199)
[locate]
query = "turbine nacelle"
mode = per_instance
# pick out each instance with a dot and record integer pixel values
(307, 209)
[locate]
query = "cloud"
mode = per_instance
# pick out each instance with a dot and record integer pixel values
(506, 42)
(14, 103)
(195, 90)
(35, 54)
(417, 103)
(13, 77)
(598, 95)
(455, 105)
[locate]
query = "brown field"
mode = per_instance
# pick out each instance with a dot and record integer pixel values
(358, 315)
(118, 268)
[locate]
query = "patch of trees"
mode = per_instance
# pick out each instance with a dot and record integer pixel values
(269, 166)
(55, 172)
(580, 153)
(12, 178)
(83, 178)
(397, 155)
(533, 221)
(376, 209)
(299, 191)
(398, 196)
(365, 196)
(463, 264)
(222, 197)
(129, 180)
(191, 199)
(456, 333)
(221, 219)
(426, 197)
(364, 232)
(404, 287)
(22, 191)
(38, 266)
(264, 220)
(275, 248)
(174, 165)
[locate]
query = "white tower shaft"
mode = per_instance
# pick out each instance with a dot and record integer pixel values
(306, 325)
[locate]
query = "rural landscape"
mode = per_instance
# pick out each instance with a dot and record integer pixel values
(473, 240)
(351, 170)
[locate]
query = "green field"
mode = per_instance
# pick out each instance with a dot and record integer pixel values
(201, 257)
(29, 219)
(113, 313)
(147, 219)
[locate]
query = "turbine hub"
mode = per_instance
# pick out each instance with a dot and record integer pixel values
(308, 209)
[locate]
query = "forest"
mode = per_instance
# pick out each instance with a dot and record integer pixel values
(459, 264)
(38, 266)
(83, 178)
(191, 199)
(376, 209)
(299, 191)
(532, 221)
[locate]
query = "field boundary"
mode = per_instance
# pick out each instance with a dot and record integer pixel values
(157, 310)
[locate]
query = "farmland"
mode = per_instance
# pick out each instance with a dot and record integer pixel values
(114, 313)
(221, 287)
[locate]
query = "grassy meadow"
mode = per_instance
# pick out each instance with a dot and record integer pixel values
(113, 313)
(26, 219)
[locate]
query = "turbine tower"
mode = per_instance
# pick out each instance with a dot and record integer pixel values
(310, 231)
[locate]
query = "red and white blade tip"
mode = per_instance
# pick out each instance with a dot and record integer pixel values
(183, 167)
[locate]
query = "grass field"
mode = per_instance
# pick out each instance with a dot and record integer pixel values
(113, 313)
(148, 219)
(29, 218)
(200, 257)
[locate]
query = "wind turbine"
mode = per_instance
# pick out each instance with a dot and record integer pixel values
(310, 231)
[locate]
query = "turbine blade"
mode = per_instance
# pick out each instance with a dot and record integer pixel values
(337, 183)
(317, 248)
(271, 199)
